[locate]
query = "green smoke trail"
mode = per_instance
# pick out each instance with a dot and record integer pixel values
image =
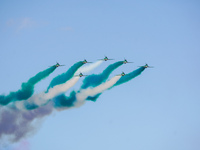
(97, 79)
(60, 79)
(29, 105)
(27, 88)
(130, 76)
(44, 98)
(89, 81)
(64, 101)
(122, 80)
(65, 76)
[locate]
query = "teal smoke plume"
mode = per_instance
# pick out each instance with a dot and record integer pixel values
(65, 76)
(97, 79)
(17, 123)
(43, 98)
(89, 81)
(122, 80)
(65, 101)
(130, 76)
(27, 88)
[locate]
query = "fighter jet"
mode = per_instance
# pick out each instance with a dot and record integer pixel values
(106, 58)
(125, 61)
(146, 66)
(85, 61)
(80, 75)
(122, 74)
(57, 65)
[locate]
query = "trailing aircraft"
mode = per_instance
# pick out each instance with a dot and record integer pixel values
(122, 74)
(125, 61)
(80, 75)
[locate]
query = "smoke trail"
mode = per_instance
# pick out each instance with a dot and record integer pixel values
(84, 93)
(88, 68)
(130, 76)
(77, 99)
(61, 88)
(95, 80)
(27, 88)
(64, 101)
(122, 80)
(89, 81)
(65, 76)
(43, 98)
(17, 124)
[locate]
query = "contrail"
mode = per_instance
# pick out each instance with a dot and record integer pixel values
(65, 76)
(43, 98)
(76, 99)
(27, 88)
(88, 68)
(122, 80)
(95, 80)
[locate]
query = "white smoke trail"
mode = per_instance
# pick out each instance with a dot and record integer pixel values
(61, 88)
(86, 69)
(84, 93)
(43, 98)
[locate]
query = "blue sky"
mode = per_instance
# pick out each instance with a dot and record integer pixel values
(157, 110)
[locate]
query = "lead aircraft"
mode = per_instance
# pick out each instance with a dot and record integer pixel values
(146, 66)
(106, 58)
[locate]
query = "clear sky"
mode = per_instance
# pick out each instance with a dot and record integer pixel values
(158, 110)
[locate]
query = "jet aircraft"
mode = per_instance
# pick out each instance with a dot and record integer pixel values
(122, 74)
(80, 75)
(106, 58)
(146, 66)
(85, 61)
(125, 61)
(57, 65)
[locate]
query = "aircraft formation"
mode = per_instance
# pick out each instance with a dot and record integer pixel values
(25, 93)
(25, 102)
(105, 59)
